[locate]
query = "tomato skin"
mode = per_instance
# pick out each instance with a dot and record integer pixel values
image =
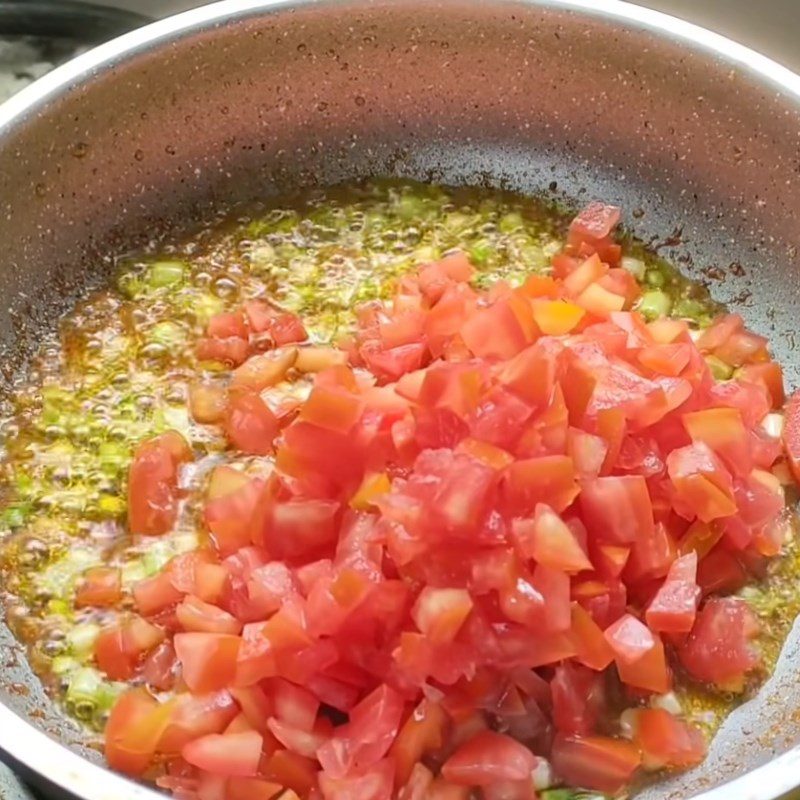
(153, 484)
(595, 762)
(717, 651)
(99, 587)
(489, 757)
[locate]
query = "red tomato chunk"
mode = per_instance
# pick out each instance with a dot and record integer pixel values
(497, 513)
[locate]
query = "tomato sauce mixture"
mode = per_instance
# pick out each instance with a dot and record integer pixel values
(401, 492)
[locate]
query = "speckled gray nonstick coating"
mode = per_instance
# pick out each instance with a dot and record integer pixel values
(703, 157)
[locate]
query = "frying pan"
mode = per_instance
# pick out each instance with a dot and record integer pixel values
(696, 137)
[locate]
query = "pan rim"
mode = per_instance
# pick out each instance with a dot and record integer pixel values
(24, 745)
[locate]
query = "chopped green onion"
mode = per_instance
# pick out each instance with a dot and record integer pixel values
(410, 207)
(61, 665)
(206, 306)
(83, 693)
(111, 506)
(263, 256)
(655, 278)
(166, 273)
(719, 369)
(690, 309)
(511, 222)
(15, 515)
(633, 265)
(168, 334)
(654, 304)
(480, 252)
(81, 639)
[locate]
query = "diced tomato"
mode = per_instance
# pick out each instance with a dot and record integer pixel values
(629, 639)
(231, 352)
(223, 326)
(120, 648)
(596, 221)
(287, 329)
(716, 334)
(208, 659)
(494, 332)
(702, 483)
(99, 587)
(723, 430)
(650, 672)
(373, 784)
(440, 613)
(207, 402)
(192, 716)
(674, 607)
(548, 479)
(262, 371)
(486, 498)
(595, 762)
(666, 741)
(592, 647)
(578, 699)
(769, 375)
(617, 509)
(133, 731)
(791, 434)
(423, 732)
(230, 754)
(234, 510)
(367, 737)
(153, 483)
(195, 615)
(718, 650)
(250, 424)
(556, 317)
(160, 667)
(489, 757)
(550, 541)
(300, 527)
